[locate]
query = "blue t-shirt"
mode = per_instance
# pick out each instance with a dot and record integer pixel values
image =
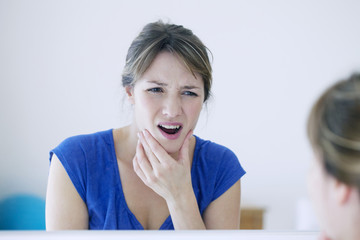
(90, 161)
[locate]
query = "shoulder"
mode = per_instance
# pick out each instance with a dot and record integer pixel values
(77, 148)
(216, 158)
(83, 155)
(104, 137)
(209, 149)
(85, 142)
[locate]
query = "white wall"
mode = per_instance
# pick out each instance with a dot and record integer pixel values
(60, 71)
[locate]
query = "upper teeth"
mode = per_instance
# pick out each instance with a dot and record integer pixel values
(170, 126)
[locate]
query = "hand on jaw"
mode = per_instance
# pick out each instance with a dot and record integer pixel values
(168, 177)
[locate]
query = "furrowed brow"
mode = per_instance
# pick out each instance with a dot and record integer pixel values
(190, 87)
(158, 83)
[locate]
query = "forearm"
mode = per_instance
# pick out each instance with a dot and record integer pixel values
(185, 212)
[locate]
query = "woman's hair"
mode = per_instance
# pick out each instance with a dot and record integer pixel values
(157, 37)
(334, 130)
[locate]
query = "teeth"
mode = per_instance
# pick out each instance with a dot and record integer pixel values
(170, 126)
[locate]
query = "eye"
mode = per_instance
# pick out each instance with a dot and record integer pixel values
(189, 93)
(155, 90)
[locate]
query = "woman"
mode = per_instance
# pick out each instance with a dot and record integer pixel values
(334, 180)
(154, 173)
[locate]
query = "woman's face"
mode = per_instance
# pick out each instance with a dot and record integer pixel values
(167, 100)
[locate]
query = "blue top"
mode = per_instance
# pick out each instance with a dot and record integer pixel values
(91, 164)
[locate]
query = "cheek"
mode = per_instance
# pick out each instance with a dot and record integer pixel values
(193, 110)
(144, 110)
(145, 104)
(317, 194)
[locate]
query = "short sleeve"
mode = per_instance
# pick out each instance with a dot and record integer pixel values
(229, 172)
(215, 169)
(72, 156)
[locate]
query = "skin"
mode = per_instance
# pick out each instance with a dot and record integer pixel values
(337, 205)
(151, 166)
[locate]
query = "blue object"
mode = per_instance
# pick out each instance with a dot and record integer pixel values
(22, 212)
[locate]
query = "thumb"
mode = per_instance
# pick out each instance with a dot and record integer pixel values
(184, 150)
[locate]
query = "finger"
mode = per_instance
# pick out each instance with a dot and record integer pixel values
(155, 147)
(143, 161)
(148, 151)
(184, 150)
(138, 170)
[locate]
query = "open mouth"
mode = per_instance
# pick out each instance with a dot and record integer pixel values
(170, 129)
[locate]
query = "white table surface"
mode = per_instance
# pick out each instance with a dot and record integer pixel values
(161, 235)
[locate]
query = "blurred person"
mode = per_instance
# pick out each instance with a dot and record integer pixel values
(334, 179)
(153, 173)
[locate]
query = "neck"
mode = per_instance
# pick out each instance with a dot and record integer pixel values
(352, 218)
(125, 143)
(354, 232)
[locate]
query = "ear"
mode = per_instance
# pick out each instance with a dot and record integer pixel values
(130, 93)
(342, 191)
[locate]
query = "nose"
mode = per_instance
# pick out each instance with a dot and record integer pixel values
(172, 107)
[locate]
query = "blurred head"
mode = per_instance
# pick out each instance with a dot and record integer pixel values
(334, 133)
(158, 37)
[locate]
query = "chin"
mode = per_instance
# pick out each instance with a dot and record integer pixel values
(171, 148)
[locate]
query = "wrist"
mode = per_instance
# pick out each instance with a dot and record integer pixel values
(182, 200)
(185, 212)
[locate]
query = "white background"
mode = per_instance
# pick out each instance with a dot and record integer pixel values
(60, 75)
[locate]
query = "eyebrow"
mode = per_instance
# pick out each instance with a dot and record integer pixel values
(164, 84)
(157, 83)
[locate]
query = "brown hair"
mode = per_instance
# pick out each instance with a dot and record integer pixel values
(334, 130)
(158, 36)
